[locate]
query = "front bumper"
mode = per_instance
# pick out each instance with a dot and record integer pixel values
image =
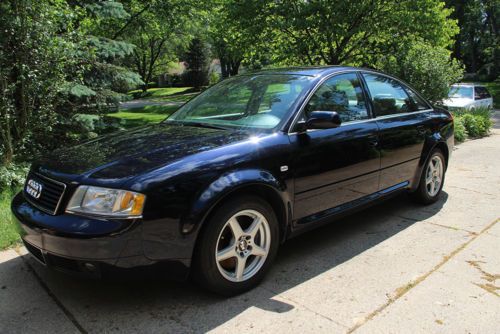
(82, 248)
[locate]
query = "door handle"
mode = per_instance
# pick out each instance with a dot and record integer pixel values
(373, 141)
(421, 130)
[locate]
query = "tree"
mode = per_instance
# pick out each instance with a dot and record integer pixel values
(228, 41)
(429, 69)
(196, 59)
(342, 32)
(478, 42)
(54, 63)
(158, 29)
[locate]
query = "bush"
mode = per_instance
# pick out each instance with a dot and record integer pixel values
(12, 176)
(429, 69)
(472, 123)
(460, 133)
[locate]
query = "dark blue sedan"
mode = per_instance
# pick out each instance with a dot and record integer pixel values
(213, 190)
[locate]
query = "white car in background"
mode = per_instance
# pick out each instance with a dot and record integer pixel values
(469, 97)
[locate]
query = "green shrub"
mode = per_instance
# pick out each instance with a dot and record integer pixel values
(476, 125)
(460, 133)
(12, 176)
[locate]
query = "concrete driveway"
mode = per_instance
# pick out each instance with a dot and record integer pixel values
(395, 268)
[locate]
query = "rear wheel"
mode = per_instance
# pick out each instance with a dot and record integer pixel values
(237, 246)
(432, 179)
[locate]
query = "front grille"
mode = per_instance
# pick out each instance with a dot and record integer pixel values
(48, 197)
(37, 253)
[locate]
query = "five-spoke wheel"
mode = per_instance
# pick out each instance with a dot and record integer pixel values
(243, 245)
(237, 245)
(432, 180)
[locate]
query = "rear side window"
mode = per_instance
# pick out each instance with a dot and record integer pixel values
(481, 93)
(388, 96)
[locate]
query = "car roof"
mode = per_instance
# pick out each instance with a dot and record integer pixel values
(467, 84)
(310, 71)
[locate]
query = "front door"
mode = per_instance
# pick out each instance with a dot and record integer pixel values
(335, 166)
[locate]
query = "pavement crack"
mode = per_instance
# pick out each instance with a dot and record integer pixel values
(56, 300)
(453, 228)
(401, 291)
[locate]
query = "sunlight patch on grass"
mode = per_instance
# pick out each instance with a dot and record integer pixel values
(8, 231)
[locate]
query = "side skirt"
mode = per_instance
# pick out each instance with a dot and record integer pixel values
(332, 214)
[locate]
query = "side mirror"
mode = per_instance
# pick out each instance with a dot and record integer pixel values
(323, 120)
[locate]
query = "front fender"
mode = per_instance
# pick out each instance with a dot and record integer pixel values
(226, 184)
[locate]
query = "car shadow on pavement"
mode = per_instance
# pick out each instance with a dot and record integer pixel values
(155, 305)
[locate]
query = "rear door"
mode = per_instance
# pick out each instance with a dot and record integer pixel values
(334, 166)
(483, 97)
(403, 119)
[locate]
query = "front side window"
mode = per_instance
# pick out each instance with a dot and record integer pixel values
(342, 94)
(259, 101)
(459, 92)
(388, 96)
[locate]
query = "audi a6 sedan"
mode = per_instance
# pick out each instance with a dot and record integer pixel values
(211, 192)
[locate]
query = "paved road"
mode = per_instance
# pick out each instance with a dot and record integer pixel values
(396, 268)
(496, 119)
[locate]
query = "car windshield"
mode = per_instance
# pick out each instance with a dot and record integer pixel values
(258, 101)
(460, 92)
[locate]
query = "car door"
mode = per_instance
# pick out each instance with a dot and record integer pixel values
(332, 167)
(403, 119)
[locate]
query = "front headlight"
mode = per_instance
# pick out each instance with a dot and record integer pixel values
(106, 202)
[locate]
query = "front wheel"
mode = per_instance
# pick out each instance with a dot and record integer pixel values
(237, 246)
(432, 179)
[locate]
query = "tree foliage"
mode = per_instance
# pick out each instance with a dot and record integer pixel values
(478, 42)
(342, 32)
(53, 65)
(429, 69)
(196, 59)
(160, 31)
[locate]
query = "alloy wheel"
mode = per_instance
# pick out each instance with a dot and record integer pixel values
(243, 245)
(434, 175)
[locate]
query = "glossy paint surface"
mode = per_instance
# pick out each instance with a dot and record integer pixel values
(186, 171)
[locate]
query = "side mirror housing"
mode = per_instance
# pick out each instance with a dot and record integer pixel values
(323, 120)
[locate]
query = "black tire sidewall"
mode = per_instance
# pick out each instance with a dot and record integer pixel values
(422, 194)
(206, 272)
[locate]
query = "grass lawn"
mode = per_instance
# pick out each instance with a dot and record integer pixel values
(145, 115)
(153, 113)
(8, 231)
(167, 94)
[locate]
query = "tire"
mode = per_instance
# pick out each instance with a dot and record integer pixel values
(222, 276)
(429, 192)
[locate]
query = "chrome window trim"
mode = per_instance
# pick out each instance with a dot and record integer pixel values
(60, 198)
(373, 117)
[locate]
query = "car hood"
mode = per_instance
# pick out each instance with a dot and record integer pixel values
(129, 153)
(457, 102)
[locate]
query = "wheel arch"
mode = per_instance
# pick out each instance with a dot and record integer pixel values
(255, 182)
